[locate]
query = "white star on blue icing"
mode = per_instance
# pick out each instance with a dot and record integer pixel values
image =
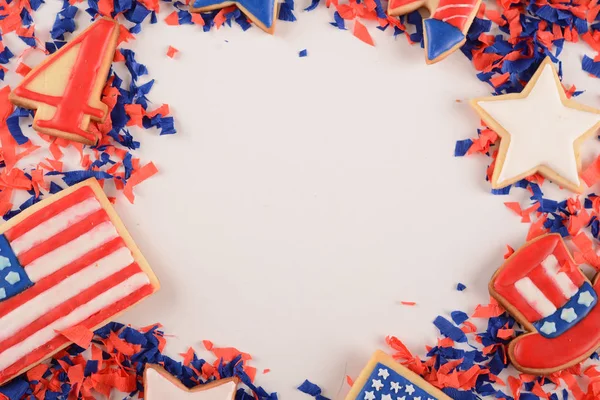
(2, 293)
(395, 386)
(383, 373)
(386, 397)
(568, 314)
(4, 262)
(585, 298)
(377, 384)
(12, 277)
(548, 328)
(369, 396)
(410, 389)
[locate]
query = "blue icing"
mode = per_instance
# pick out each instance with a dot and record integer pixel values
(441, 37)
(13, 278)
(262, 10)
(386, 384)
(570, 314)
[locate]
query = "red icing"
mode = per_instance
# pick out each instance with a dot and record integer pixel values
(527, 262)
(533, 351)
(70, 305)
(68, 235)
(44, 284)
(455, 12)
(73, 105)
(48, 212)
(98, 318)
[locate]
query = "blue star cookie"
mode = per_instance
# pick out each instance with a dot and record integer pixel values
(261, 12)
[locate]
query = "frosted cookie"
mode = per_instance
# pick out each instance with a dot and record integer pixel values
(540, 131)
(160, 385)
(445, 31)
(385, 379)
(262, 12)
(66, 261)
(65, 88)
(543, 289)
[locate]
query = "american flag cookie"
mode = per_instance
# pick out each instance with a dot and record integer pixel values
(543, 289)
(385, 379)
(160, 385)
(65, 262)
(446, 29)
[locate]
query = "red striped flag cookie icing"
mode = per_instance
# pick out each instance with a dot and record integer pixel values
(67, 261)
(445, 31)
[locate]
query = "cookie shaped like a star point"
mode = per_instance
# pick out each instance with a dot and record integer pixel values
(540, 130)
(160, 385)
(262, 12)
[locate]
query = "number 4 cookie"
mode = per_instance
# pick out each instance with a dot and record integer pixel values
(65, 262)
(542, 287)
(385, 379)
(65, 88)
(540, 131)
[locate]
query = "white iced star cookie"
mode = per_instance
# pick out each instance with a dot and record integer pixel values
(160, 385)
(540, 131)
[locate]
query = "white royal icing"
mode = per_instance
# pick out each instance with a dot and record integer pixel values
(568, 315)
(71, 251)
(548, 328)
(54, 225)
(4, 262)
(585, 298)
(534, 297)
(78, 315)
(63, 291)
(158, 387)
(560, 279)
(542, 130)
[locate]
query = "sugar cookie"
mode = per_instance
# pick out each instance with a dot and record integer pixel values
(160, 385)
(542, 287)
(385, 379)
(65, 88)
(540, 131)
(262, 12)
(445, 31)
(66, 261)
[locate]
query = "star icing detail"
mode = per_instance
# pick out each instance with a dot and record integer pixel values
(12, 277)
(261, 12)
(568, 315)
(540, 131)
(4, 262)
(377, 384)
(417, 398)
(369, 396)
(395, 386)
(585, 298)
(160, 385)
(548, 328)
(383, 373)
(386, 397)
(402, 398)
(410, 389)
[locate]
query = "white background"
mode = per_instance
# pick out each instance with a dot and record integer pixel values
(304, 198)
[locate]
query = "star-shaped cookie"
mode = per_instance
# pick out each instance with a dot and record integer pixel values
(160, 385)
(540, 130)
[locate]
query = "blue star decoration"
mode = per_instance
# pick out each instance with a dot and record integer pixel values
(385, 379)
(160, 385)
(261, 12)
